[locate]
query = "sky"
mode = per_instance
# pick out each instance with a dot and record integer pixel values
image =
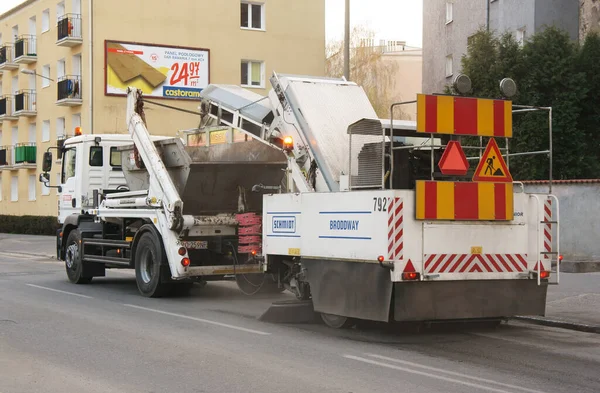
(400, 20)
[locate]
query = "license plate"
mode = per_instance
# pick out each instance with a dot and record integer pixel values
(195, 244)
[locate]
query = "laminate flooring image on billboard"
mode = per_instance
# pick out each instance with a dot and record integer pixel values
(128, 66)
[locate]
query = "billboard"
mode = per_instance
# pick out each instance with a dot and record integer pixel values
(159, 71)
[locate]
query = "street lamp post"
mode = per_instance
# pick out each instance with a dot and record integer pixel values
(347, 42)
(31, 72)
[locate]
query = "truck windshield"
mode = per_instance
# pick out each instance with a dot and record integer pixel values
(68, 169)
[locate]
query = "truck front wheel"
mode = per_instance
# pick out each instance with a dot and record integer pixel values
(73, 259)
(150, 261)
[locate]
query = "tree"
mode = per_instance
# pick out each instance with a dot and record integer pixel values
(589, 120)
(367, 69)
(552, 80)
(550, 70)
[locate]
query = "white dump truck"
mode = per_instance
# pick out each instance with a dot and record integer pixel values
(308, 190)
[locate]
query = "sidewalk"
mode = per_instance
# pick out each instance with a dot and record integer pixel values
(574, 304)
(28, 244)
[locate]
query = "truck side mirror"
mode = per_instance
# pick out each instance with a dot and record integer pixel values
(47, 162)
(44, 177)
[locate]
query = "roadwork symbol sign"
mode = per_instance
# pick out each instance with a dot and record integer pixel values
(492, 167)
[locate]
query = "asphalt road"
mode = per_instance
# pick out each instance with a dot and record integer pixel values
(105, 337)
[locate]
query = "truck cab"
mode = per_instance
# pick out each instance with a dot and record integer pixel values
(89, 162)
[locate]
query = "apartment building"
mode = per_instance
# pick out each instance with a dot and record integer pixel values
(589, 17)
(408, 78)
(66, 63)
(447, 25)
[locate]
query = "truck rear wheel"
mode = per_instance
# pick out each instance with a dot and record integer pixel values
(337, 321)
(73, 259)
(150, 261)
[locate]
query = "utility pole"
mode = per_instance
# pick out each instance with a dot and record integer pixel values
(487, 21)
(347, 42)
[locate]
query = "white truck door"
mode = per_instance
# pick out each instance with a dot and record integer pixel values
(70, 196)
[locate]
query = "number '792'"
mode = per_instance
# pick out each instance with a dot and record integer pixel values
(380, 204)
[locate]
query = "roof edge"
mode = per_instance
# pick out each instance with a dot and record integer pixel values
(17, 8)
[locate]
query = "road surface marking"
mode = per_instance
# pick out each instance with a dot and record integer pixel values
(200, 320)
(441, 370)
(59, 291)
(408, 370)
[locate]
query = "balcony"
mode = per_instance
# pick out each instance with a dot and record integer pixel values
(69, 30)
(25, 104)
(6, 108)
(6, 58)
(25, 50)
(25, 155)
(6, 157)
(69, 91)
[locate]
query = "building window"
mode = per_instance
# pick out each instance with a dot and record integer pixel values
(45, 189)
(32, 132)
(60, 68)
(448, 66)
(521, 33)
(45, 20)
(253, 16)
(46, 131)
(14, 188)
(470, 40)
(32, 187)
(253, 73)
(115, 157)
(0, 187)
(96, 156)
(449, 9)
(68, 170)
(60, 10)
(60, 127)
(46, 75)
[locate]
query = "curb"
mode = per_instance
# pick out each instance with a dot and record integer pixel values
(560, 324)
(579, 267)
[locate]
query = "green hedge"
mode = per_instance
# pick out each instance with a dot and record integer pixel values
(29, 225)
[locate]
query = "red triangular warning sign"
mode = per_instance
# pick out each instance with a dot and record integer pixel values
(492, 167)
(453, 161)
(409, 268)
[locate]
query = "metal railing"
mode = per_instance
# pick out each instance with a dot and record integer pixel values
(5, 155)
(25, 153)
(431, 146)
(25, 45)
(69, 87)
(69, 26)
(5, 106)
(6, 52)
(25, 101)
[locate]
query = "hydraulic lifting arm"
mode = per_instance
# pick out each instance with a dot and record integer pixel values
(161, 186)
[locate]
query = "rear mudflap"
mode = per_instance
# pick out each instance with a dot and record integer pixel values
(468, 299)
(350, 289)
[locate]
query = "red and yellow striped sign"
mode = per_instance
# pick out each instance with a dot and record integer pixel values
(446, 200)
(464, 116)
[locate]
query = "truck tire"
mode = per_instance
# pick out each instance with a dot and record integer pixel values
(337, 321)
(73, 260)
(150, 261)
